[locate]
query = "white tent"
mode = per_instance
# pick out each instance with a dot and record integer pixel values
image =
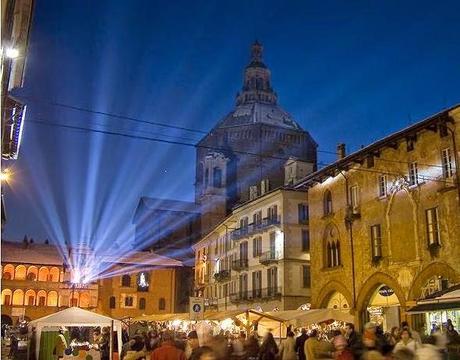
(74, 316)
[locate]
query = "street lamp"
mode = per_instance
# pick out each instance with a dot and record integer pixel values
(12, 53)
(5, 175)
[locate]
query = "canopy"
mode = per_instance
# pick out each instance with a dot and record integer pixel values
(448, 299)
(74, 316)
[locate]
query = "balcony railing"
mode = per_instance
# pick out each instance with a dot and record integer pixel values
(222, 275)
(240, 264)
(210, 303)
(269, 257)
(266, 294)
(255, 228)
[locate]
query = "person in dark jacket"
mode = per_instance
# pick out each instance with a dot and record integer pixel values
(354, 340)
(269, 349)
(300, 343)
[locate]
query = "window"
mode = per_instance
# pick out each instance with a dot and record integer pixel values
(8, 272)
(432, 227)
(43, 274)
(447, 166)
(305, 240)
(54, 274)
(354, 196)
(42, 298)
(333, 253)
(244, 251)
(303, 213)
(257, 246)
(52, 298)
(30, 298)
(272, 213)
(244, 223)
(6, 297)
(126, 281)
(306, 276)
(142, 303)
(20, 273)
(243, 286)
(264, 186)
(257, 284)
(272, 280)
(413, 173)
(129, 301)
(257, 218)
(327, 203)
(112, 302)
(383, 185)
(252, 192)
(217, 177)
(376, 242)
(18, 297)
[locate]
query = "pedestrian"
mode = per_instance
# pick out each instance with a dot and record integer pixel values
(429, 350)
(312, 346)
(251, 346)
(393, 336)
(268, 350)
(192, 344)
(300, 343)
(137, 349)
(167, 349)
(288, 348)
(60, 344)
(238, 352)
(353, 340)
(406, 342)
(415, 334)
(203, 353)
(341, 350)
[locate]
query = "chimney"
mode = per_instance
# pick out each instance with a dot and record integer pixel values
(340, 151)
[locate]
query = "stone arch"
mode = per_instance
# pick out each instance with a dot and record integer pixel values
(328, 290)
(371, 284)
(434, 269)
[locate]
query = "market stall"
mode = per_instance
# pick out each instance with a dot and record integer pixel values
(71, 317)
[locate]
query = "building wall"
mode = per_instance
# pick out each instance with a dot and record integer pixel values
(407, 264)
(221, 250)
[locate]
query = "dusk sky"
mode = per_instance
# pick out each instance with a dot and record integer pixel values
(348, 71)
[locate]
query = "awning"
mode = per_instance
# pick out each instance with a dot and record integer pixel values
(434, 306)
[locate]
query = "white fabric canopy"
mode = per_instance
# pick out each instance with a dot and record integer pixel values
(74, 316)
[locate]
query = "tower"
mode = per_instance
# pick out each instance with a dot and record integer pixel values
(244, 155)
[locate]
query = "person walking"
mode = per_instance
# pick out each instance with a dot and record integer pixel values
(406, 342)
(269, 349)
(288, 348)
(341, 350)
(167, 350)
(300, 343)
(312, 346)
(61, 344)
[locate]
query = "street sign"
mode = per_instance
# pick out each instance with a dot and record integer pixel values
(196, 308)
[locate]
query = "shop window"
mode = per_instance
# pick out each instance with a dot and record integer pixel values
(162, 304)
(32, 273)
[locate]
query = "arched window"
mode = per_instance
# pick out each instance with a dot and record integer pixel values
(18, 297)
(52, 298)
(54, 274)
(217, 177)
(162, 304)
(20, 273)
(7, 295)
(126, 281)
(32, 273)
(8, 272)
(74, 299)
(112, 302)
(30, 298)
(41, 298)
(327, 203)
(43, 274)
(84, 300)
(142, 303)
(333, 253)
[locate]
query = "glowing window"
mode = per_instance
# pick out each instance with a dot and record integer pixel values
(54, 274)
(43, 274)
(18, 297)
(8, 272)
(143, 282)
(52, 298)
(32, 273)
(6, 297)
(20, 273)
(30, 298)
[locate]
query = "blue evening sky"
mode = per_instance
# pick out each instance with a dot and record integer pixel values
(348, 71)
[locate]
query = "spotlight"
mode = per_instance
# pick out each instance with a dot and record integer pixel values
(5, 175)
(12, 53)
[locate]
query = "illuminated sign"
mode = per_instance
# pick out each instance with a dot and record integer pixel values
(143, 281)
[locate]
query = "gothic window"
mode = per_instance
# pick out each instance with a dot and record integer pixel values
(217, 177)
(327, 203)
(332, 254)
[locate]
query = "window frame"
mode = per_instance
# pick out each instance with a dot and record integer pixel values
(376, 242)
(447, 163)
(414, 179)
(305, 240)
(432, 227)
(383, 186)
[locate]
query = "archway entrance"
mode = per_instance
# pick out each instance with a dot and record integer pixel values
(383, 307)
(338, 302)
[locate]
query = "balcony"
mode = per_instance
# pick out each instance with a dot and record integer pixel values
(269, 257)
(266, 294)
(222, 275)
(240, 265)
(252, 229)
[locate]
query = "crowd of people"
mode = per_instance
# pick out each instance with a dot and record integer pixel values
(401, 343)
